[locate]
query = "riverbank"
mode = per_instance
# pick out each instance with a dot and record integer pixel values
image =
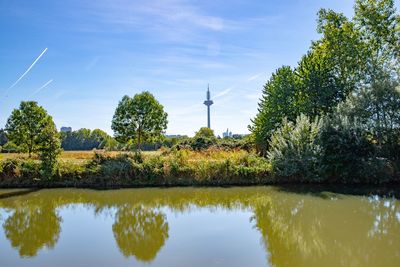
(110, 170)
(115, 170)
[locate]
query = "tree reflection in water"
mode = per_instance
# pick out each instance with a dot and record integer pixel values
(140, 232)
(306, 231)
(30, 229)
(296, 229)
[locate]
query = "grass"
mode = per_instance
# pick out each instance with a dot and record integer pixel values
(102, 169)
(121, 169)
(70, 156)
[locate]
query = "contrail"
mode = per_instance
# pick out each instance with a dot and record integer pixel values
(26, 72)
(252, 78)
(223, 92)
(42, 87)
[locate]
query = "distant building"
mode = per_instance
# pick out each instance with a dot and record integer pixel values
(227, 134)
(66, 129)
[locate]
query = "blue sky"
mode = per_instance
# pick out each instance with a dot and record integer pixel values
(99, 51)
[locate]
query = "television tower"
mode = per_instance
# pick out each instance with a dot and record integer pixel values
(208, 103)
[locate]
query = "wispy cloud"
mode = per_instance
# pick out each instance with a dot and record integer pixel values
(92, 63)
(27, 71)
(42, 87)
(222, 93)
(164, 14)
(254, 77)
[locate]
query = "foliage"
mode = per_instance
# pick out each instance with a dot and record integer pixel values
(183, 167)
(85, 139)
(50, 148)
(351, 56)
(277, 102)
(319, 89)
(140, 118)
(3, 137)
(377, 108)
(33, 130)
(294, 150)
(205, 139)
(378, 22)
(10, 147)
(205, 132)
(25, 126)
(347, 154)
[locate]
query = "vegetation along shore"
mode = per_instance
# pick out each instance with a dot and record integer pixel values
(334, 118)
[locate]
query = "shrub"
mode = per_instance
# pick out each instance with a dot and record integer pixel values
(11, 168)
(30, 168)
(294, 151)
(119, 167)
(347, 153)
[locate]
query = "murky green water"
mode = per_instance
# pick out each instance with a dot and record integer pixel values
(256, 226)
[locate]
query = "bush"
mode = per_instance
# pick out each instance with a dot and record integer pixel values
(11, 168)
(347, 153)
(294, 150)
(10, 147)
(120, 167)
(30, 169)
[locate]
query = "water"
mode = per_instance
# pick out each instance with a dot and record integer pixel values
(254, 226)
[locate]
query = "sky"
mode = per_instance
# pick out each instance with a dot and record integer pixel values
(78, 58)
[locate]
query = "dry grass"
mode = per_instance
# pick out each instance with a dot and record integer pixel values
(215, 155)
(72, 156)
(166, 167)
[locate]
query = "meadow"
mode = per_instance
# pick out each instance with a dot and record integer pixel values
(103, 169)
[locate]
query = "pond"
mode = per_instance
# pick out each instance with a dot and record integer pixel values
(250, 226)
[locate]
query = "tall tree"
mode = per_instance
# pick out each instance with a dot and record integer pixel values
(379, 24)
(342, 49)
(351, 56)
(141, 118)
(318, 90)
(277, 102)
(26, 125)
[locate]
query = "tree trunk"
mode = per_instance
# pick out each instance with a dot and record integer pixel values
(30, 149)
(138, 144)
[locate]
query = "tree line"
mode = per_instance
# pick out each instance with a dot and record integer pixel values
(337, 113)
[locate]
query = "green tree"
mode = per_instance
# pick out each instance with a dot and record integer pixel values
(33, 131)
(205, 132)
(26, 126)
(351, 56)
(379, 24)
(141, 118)
(85, 139)
(319, 90)
(49, 148)
(342, 49)
(347, 153)
(377, 108)
(277, 102)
